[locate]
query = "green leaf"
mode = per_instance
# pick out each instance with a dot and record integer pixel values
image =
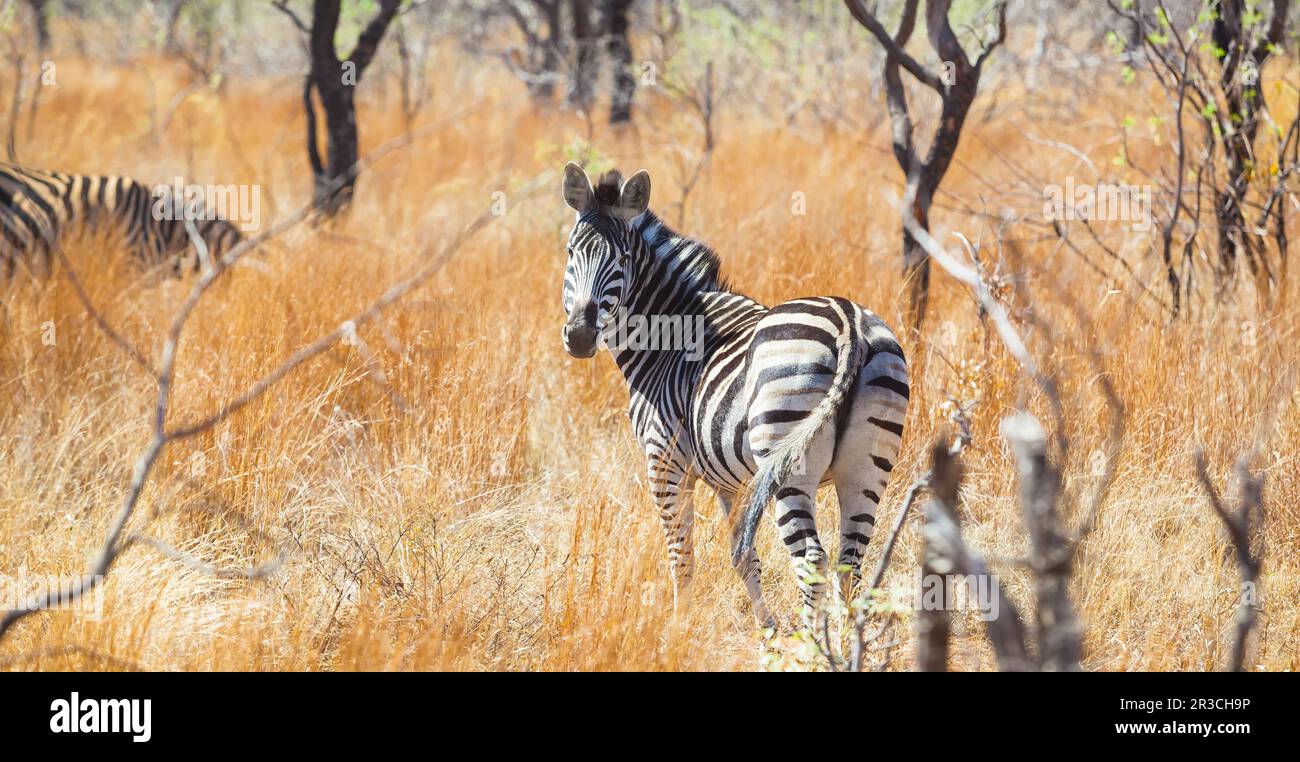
(1115, 42)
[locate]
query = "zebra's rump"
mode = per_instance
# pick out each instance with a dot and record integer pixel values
(798, 360)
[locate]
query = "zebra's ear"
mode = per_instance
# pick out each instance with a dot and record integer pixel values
(578, 192)
(635, 196)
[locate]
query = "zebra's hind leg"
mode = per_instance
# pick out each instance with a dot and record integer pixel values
(864, 459)
(797, 527)
(857, 525)
(747, 566)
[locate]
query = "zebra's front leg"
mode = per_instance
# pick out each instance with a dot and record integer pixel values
(747, 566)
(670, 488)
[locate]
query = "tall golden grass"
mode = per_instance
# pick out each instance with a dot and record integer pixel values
(485, 508)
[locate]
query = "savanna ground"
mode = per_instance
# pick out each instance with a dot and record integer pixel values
(482, 506)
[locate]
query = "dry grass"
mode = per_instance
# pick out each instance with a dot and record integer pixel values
(500, 520)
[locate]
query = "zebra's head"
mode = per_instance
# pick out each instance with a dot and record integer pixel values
(599, 251)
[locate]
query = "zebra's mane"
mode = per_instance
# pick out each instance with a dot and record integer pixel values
(664, 242)
(607, 189)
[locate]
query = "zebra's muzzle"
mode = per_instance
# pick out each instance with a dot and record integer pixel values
(580, 332)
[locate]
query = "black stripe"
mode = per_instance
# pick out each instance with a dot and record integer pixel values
(785, 492)
(892, 384)
(794, 332)
(890, 426)
(789, 516)
(801, 535)
(777, 416)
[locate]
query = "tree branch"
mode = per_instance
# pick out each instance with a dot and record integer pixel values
(114, 542)
(369, 40)
(283, 7)
(893, 48)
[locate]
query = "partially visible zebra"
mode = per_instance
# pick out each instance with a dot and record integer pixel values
(783, 399)
(36, 207)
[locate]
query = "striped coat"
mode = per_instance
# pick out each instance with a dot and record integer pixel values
(37, 207)
(768, 402)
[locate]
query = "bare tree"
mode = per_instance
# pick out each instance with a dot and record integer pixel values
(956, 87)
(1059, 635)
(334, 81)
(1229, 101)
(17, 61)
(1244, 54)
(701, 98)
(539, 66)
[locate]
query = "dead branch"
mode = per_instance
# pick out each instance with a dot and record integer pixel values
(113, 335)
(950, 561)
(1238, 525)
(71, 649)
(115, 543)
(1059, 636)
(260, 571)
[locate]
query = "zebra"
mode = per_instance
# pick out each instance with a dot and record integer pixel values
(36, 206)
(781, 400)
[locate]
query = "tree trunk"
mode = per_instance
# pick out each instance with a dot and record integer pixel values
(333, 182)
(42, 24)
(584, 43)
(544, 50)
(1231, 223)
(173, 24)
(916, 268)
(335, 81)
(924, 181)
(622, 80)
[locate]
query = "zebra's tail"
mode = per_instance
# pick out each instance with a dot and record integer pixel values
(786, 454)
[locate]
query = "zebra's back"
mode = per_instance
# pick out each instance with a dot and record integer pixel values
(37, 207)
